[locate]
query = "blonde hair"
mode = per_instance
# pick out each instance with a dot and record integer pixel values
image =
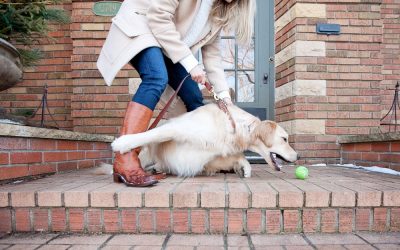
(237, 15)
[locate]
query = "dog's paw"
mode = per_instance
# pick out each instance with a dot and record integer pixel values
(209, 172)
(239, 171)
(243, 168)
(149, 168)
(247, 171)
(243, 172)
(121, 144)
(155, 168)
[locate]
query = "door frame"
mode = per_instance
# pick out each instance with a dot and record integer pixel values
(264, 99)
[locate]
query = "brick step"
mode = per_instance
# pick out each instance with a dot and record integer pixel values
(332, 199)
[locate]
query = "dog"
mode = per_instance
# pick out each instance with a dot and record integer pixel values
(206, 141)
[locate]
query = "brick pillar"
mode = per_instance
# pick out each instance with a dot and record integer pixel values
(327, 85)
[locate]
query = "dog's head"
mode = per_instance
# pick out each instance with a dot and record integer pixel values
(270, 140)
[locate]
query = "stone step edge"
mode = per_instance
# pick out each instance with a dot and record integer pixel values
(160, 199)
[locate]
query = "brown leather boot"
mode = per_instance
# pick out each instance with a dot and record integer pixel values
(156, 175)
(127, 167)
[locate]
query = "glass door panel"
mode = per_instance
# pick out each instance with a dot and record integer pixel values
(249, 70)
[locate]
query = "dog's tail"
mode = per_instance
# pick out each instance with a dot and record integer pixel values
(126, 143)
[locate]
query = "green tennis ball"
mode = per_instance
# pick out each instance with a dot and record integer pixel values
(301, 172)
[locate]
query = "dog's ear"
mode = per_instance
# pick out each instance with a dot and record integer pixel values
(264, 131)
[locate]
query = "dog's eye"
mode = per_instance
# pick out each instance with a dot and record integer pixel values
(284, 139)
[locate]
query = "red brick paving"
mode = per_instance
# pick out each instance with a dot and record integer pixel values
(184, 241)
(333, 199)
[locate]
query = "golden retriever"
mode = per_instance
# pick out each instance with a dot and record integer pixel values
(204, 140)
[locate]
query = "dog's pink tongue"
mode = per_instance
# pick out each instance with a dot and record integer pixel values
(275, 162)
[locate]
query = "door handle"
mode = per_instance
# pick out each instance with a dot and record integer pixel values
(265, 78)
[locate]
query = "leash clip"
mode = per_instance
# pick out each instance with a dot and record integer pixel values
(215, 96)
(210, 89)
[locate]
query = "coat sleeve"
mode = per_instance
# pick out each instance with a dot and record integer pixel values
(160, 18)
(212, 61)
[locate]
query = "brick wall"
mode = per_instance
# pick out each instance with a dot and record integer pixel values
(333, 88)
(326, 85)
(390, 12)
(381, 154)
(96, 107)
(21, 157)
(55, 71)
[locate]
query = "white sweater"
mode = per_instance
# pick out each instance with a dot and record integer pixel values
(199, 23)
(193, 35)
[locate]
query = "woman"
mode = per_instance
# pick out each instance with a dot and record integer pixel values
(159, 38)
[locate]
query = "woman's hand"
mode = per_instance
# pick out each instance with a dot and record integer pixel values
(198, 75)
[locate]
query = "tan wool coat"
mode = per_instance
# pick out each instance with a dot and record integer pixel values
(140, 24)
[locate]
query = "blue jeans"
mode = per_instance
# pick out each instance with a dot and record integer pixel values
(156, 71)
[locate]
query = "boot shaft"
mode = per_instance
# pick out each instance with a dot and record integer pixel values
(137, 119)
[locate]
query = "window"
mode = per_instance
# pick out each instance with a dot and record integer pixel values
(238, 63)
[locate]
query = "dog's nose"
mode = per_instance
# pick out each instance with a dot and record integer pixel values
(298, 157)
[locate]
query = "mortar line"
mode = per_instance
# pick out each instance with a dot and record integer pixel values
(106, 241)
(49, 219)
(356, 234)
(171, 192)
(67, 226)
(308, 241)
(250, 242)
(319, 220)
(31, 219)
(85, 220)
(250, 197)
(353, 227)
(388, 215)
(137, 220)
(263, 220)
(190, 220)
(226, 208)
(164, 245)
(226, 192)
(13, 220)
(102, 224)
(225, 238)
(276, 196)
(44, 244)
(120, 227)
(207, 224)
